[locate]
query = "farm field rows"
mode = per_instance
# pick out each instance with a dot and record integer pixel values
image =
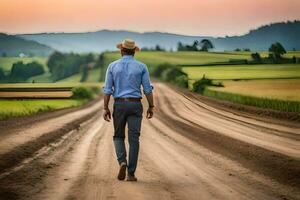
(271, 85)
(179, 58)
(283, 89)
(22, 107)
(40, 97)
(188, 58)
(245, 71)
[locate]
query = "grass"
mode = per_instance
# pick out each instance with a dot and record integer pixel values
(282, 105)
(7, 62)
(17, 108)
(281, 89)
(245, 71)
(94, 76)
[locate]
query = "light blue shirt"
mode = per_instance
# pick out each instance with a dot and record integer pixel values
(124, 78)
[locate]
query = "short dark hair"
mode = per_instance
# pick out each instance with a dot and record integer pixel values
(130, 52)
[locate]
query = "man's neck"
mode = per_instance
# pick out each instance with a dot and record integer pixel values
(127, 56)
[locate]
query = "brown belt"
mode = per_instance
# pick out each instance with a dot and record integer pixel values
(127, 99)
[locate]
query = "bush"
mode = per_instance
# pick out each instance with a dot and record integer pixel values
(171, 74)
(82, 93)
(200, 85)
(182, 81)
(158, 70)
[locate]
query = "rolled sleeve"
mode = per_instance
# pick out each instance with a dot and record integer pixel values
(147, 86)
(108, 85)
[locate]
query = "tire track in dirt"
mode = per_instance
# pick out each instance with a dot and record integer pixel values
(266, 162)
(23, 144)
(180, 158)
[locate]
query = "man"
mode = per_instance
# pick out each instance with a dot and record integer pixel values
(124, 79)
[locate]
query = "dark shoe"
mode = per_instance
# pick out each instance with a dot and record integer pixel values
(122, 171)
(131, 177)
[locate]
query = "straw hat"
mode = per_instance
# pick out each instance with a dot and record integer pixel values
(128, 44)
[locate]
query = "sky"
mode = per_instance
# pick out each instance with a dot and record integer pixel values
(189, 17)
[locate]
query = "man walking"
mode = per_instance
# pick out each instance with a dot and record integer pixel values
(124, 79)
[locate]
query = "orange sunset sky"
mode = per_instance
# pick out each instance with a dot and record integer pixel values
(192, 17)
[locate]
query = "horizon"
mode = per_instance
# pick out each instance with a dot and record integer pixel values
(189, 17)
(154, 31)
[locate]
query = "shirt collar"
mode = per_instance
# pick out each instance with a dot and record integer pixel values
(127, 57)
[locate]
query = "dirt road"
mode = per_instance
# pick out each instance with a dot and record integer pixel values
(190, 150)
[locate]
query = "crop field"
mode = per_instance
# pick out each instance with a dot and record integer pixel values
(282, 89)
(22, 107)
(180, 58)
(27, 98)
(189, 58)
(245, 71)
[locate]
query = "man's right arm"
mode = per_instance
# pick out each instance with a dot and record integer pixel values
(107, 90)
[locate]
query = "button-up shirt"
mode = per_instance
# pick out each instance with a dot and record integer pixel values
(124, 78)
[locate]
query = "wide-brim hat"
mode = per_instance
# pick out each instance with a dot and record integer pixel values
(128, 44)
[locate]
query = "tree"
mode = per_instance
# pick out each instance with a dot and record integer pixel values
(294, 59)
(4, 54)
(21, 72)
(89, 58)
(180, 47)
(195, 45)
(85, 73)
(62, 65)
(256, 57)
(158, 48)
(277, 49)
(100, 64)
(206, 45)
(2, 74)
(54, 60)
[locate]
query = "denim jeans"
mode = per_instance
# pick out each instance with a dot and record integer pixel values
(129, 113)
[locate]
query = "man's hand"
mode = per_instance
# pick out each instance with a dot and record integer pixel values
(107, 115)
(150, 113)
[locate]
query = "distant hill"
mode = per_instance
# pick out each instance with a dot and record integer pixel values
(287, 33)
(259, 39)
(13, 46)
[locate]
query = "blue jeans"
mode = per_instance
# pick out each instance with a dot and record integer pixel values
(130, 113)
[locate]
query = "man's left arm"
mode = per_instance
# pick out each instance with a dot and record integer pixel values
(147, 86)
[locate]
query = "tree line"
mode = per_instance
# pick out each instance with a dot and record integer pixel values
(203, 45)
(63, 65)
(20, 72)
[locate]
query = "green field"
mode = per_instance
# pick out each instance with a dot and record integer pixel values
(16, 108)
(94, 76)
(180, 58)
(266, 82)
(245, 71)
